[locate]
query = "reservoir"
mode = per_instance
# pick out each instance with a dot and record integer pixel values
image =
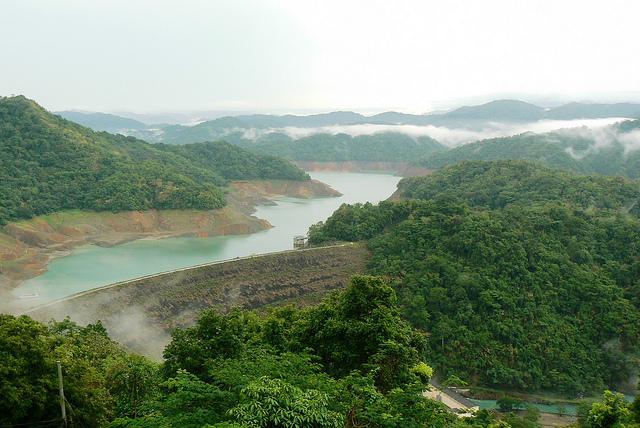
(92, 266)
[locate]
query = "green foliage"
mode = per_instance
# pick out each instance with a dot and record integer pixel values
(132, 379)
(266, 403)
(48, 164)
(361, 328)
(185, 401)
(380, 147)
(611, 412)
(454, 380)
(577, 150)
(26, 371)
(248, 370)
(635, 408)
(399, 408)
(501, 183)
(213, 336)
(530, 419)
(509, 404)
(524, 291)
(424, 371)
(234, 163)
(101, 380)
(351, 357)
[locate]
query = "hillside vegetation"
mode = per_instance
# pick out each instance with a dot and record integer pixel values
(102, 121)
(523, 277)
(49, 164)
(382, 147)
(351, 361)
(612, 151)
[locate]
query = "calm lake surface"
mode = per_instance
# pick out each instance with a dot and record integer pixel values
(91, 266)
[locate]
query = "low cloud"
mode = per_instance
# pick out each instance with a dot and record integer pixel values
(631, 141)
(448, 136)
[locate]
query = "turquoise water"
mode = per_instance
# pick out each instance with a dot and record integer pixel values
(565, 409)
(92, 266)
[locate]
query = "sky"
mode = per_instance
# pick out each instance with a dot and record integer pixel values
(302, 55)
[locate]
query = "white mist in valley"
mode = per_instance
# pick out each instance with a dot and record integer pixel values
(448, 136)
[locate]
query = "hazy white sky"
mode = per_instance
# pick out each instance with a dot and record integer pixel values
(295, 54)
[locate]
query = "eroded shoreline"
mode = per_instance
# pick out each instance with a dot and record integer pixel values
(27, 247)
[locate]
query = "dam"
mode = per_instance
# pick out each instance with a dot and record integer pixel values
(140, 313)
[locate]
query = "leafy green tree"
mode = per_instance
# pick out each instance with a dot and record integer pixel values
(131, 380)
(454, 380)
(185, 401)
(27, 372)
(362, 329)
(612, 411)
(213, 336)
(266, 403)
(635, 409)
(509, 404)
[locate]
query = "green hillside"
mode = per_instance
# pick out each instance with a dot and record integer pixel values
(49, 164)
(523, 277)
(102, 121)
(381, 147)
(498, 184)
(612, 151)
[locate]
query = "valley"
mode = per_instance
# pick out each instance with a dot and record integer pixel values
(189, 237)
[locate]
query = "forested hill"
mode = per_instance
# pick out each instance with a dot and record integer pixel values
(49, 164)
(523, 277)
(103, 121)
(497, 184)
(381, 147)
(614, 150)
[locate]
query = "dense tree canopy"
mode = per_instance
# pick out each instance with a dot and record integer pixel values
(48, 164)
(611, 151)
(380, 147)
(518, 286)
(349, 362)
(501, 183)
(101, 379)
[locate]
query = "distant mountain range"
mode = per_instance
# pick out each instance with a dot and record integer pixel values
(469, 117)
(612, 150)
(103, 121)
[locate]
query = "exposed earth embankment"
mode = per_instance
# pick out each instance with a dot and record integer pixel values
(403, 169)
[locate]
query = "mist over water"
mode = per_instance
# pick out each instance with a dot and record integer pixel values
(92, 266)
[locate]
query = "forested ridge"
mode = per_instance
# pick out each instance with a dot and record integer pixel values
(323, 147)
(612, 150)
(49, 164)
(523, 277)
(380, 147)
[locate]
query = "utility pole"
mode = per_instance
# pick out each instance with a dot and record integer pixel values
(62, 400)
